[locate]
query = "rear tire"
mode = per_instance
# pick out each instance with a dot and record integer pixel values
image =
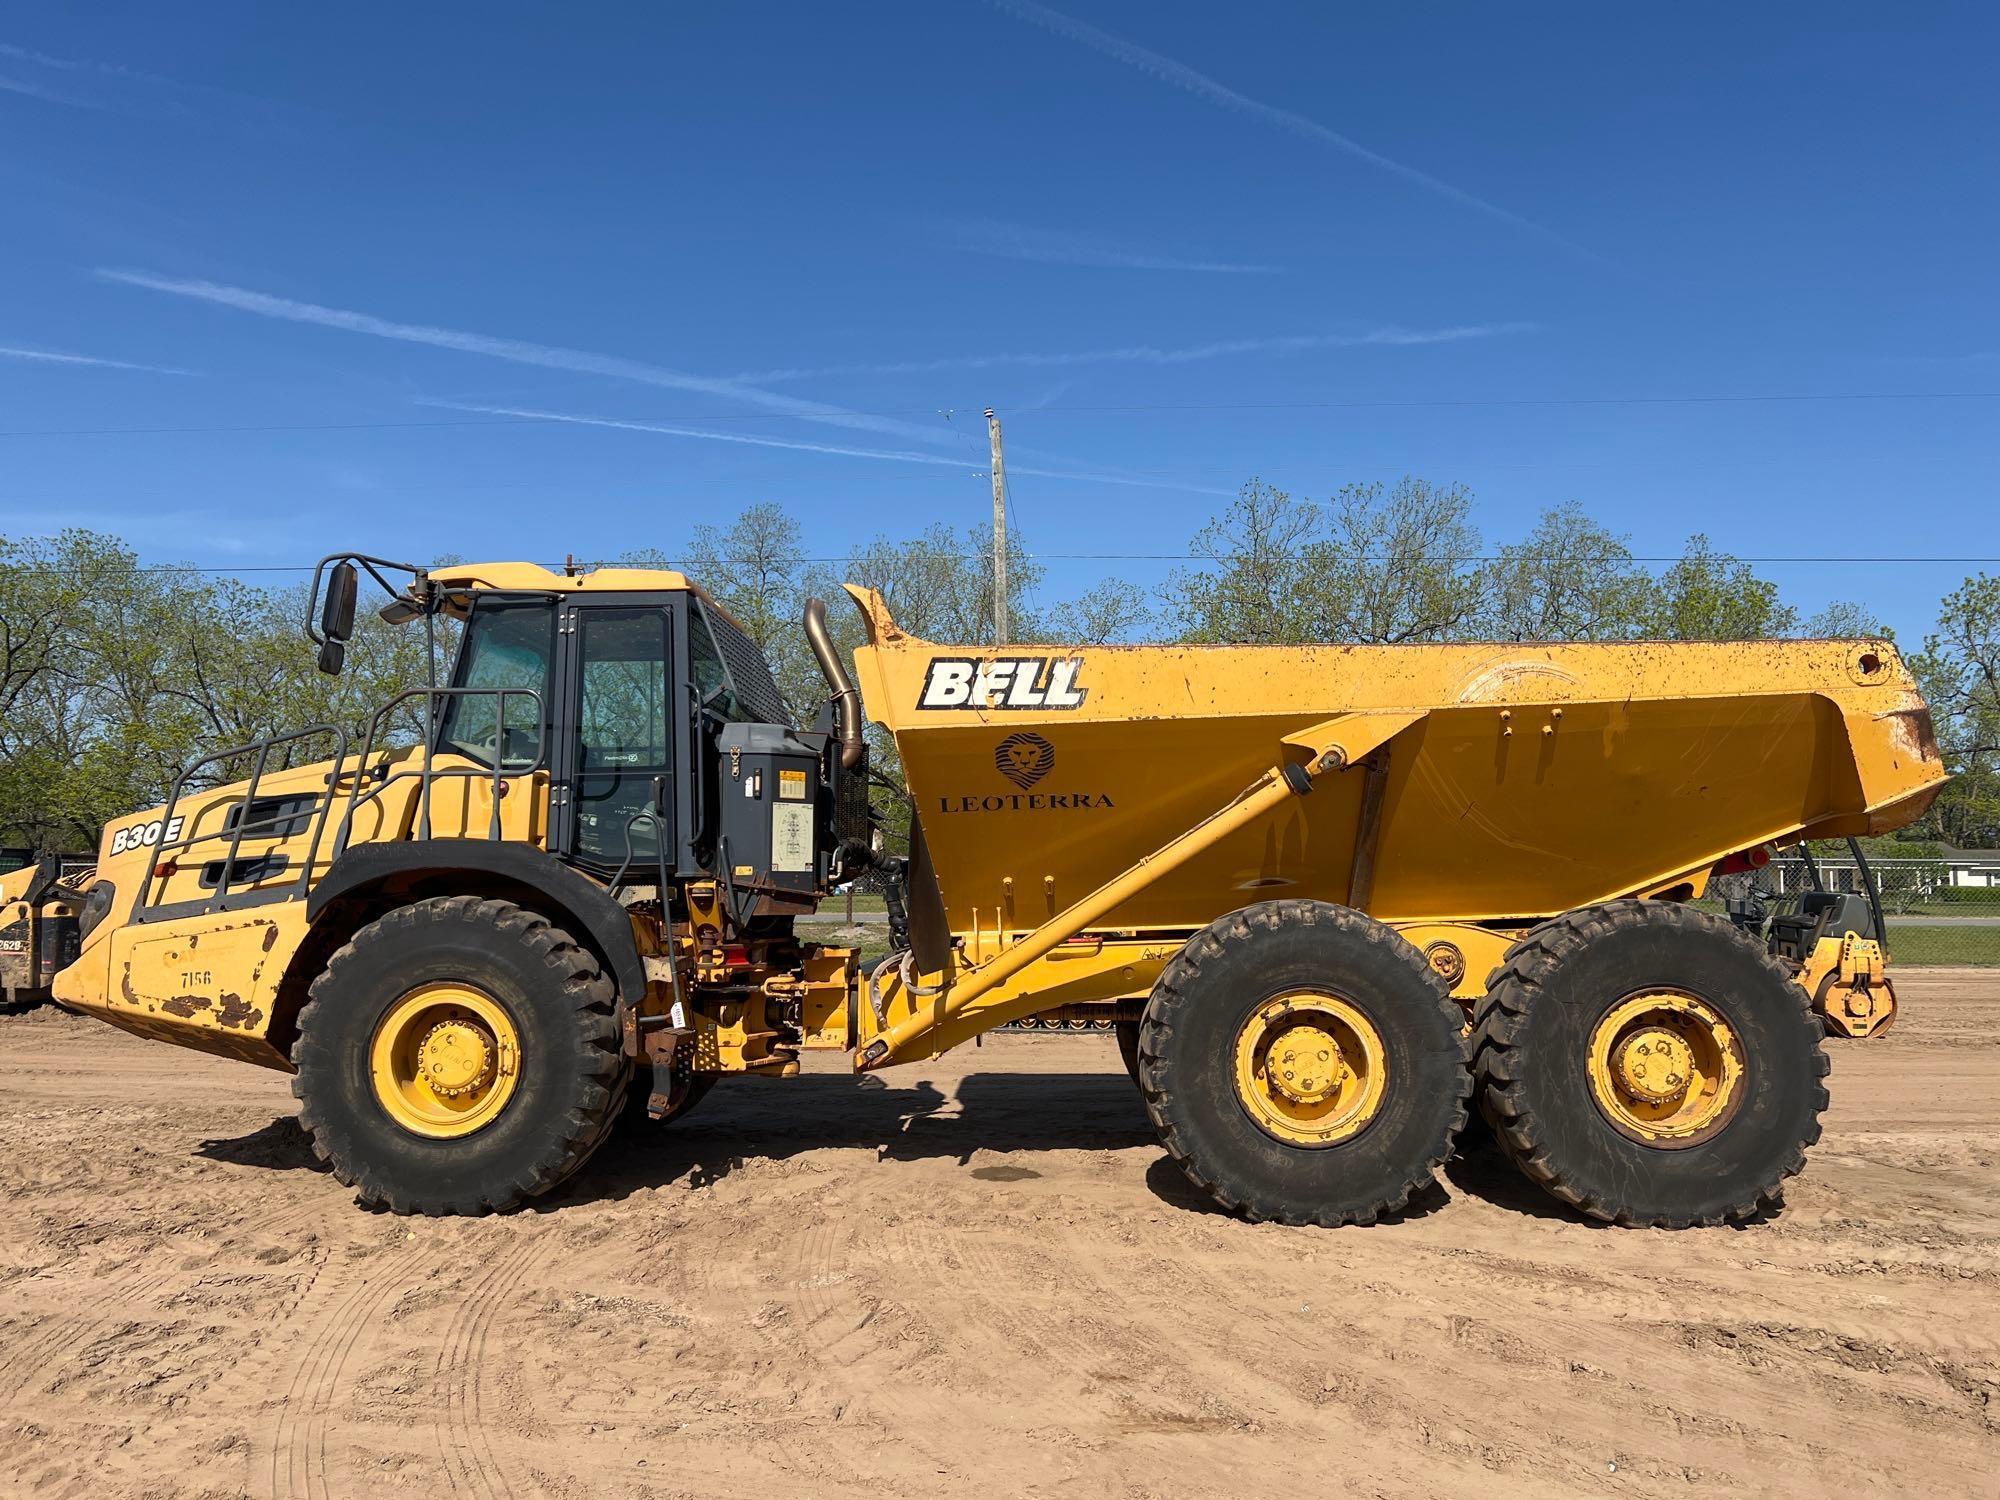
(1573, 1129)
(528, 989)
(1324, 972)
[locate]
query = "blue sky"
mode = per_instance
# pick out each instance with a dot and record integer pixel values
(507, 280)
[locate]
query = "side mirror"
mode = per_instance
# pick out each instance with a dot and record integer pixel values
(336, 617)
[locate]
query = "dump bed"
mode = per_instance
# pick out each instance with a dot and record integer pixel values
(1528, 779)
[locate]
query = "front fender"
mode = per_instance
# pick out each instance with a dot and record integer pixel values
(427, 867)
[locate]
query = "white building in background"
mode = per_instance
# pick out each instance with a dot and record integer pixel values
(1972, 867)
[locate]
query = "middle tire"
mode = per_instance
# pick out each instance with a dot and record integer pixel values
(685, 1091)
(458, 1056)
(1302, 1063)
(1128, 1046)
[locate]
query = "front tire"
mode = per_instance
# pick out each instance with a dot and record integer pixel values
(458, 1056)
(1303, 1064)
(1650, 1065)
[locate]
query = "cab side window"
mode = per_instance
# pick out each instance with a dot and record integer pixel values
(624, 703)
(711, 677)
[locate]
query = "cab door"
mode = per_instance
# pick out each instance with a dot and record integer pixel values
(616, 753)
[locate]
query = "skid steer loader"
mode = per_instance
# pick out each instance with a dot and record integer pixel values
(1329, 894)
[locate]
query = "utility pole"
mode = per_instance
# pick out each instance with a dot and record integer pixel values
(999, 531)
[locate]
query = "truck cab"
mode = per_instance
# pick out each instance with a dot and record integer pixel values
(665, 740)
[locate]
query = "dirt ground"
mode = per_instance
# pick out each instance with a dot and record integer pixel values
(977, 1276)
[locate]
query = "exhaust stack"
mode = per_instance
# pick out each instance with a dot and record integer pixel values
(846, 697)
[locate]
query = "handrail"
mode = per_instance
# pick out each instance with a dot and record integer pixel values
(429, 774)
(243, 823)
(357, 774)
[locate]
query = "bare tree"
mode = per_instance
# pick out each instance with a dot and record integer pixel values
(1570, 580)
(1260, 563)
(1401, 563)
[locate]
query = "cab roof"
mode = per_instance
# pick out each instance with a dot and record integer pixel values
(533, 578)
(513, 577)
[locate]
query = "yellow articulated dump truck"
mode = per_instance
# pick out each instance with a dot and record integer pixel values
(38, 931)
(1330, 896)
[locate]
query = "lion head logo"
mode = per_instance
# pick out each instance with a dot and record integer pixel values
(1024, 759)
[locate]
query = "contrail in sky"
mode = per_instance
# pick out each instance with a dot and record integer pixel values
(1146, 354)
(36, 91)
(748, 440)
(518, 351)
(1181, 76)
(51, 356)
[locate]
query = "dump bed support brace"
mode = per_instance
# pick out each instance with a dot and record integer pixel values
(1328, 746)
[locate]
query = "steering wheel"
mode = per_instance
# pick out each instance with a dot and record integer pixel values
(510, 747)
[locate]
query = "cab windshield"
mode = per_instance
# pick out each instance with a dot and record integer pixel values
(506, 646)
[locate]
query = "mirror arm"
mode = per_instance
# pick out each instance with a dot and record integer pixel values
(373, 566)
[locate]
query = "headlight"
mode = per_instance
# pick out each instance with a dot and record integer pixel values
(96, 907)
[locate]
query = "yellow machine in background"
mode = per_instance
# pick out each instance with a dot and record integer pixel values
(1838, 944)
(38, 931)
(1329, 894)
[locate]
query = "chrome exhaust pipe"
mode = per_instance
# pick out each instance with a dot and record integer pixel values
(846, 696)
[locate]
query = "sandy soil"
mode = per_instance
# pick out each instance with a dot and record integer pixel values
(977, 1277)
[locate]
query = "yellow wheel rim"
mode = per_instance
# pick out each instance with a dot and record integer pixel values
(1665, 1068)
(1311, 1069)
(445, 1060)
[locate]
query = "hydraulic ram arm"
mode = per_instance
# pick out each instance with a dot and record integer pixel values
(1328, 746)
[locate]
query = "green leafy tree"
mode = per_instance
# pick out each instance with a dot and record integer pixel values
(756, 569)
(1381, 564)
(143, 669)
(1114, 610)
(1959, 671)
(1401, 563)
(1710, 596)
(1843, 617)
(940, 583)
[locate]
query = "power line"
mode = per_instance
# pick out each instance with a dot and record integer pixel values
(761, 416)
(1364, 404)
(233, 570)
(1542, 401)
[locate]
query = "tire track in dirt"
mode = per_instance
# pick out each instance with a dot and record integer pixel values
(464, 1447)
(298, 1446)
(475, 1441)
(807, 1260)
(32, 1356)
